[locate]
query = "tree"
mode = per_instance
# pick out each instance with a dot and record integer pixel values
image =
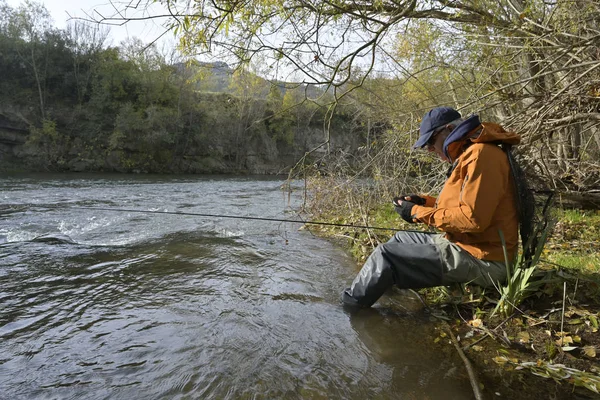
(250, 91)
(534, 66)
(85, 42)
(30, 26)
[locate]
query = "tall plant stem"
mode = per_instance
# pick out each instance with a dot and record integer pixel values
(562, 319)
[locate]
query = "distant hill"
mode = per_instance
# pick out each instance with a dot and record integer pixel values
(208, 76)
(216, 77)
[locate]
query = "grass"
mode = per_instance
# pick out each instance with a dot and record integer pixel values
(586, 263)
(519, 285)
(575, 242)
(580, 216)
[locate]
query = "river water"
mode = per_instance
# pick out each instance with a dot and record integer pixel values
(120, 305)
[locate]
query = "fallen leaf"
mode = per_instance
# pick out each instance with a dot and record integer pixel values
(500, 360)
(564, 340)
(569, 348)
(589, 351)
(523, 337)
(476, 323)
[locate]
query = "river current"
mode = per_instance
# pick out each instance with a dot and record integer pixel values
(121, 305)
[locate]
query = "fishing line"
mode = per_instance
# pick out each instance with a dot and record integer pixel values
(240, 217)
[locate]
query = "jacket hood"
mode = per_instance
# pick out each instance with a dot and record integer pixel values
(472, 130)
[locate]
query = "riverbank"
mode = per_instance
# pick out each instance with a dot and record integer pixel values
(550, 346)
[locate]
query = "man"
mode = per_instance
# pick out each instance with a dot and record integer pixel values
(476, 207)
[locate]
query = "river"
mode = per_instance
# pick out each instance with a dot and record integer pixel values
(121, 305)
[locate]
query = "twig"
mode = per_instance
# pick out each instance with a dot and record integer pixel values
(468, 366)
(552, 311)
(420, 298)
(468, 346)
(562, 319)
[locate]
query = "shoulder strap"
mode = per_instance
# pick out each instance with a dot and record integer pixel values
(525, 203)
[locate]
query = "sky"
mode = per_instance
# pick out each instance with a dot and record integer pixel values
(64, 10)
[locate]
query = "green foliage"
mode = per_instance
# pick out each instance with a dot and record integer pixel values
(129, 106)
(47, 141)
(582, 262)
(575, 242)
(45, 135)
(518, 287)
(129, 124)
(519, 272)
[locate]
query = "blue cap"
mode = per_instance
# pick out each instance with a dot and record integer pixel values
(432, 120)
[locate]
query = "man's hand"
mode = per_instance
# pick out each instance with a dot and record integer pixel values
(404, 208)
(413, 198)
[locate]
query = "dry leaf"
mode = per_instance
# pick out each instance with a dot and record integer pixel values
(589, 351)
(523, 337)
(569, 348)
(476, 323)
(564, 340)
(500, 360)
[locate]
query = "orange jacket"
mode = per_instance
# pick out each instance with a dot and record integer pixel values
(478, 199)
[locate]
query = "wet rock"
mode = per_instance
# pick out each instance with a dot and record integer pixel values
(54, 239)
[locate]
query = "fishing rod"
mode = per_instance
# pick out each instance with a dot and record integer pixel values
(240, 217)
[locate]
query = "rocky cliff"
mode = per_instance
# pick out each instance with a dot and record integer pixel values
(225, 135)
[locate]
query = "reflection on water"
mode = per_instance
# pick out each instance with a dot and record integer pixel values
(102, 305)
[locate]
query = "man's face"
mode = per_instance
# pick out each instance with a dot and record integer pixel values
(436, 142)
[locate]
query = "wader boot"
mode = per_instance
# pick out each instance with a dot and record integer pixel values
(414, 260)
(409, 260)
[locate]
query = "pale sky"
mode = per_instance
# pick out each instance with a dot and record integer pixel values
(60, 10)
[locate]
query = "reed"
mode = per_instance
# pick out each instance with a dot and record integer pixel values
(521, 270)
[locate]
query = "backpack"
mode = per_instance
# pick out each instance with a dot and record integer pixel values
(533, 223)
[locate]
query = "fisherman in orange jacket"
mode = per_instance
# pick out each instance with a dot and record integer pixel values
(475, 207)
